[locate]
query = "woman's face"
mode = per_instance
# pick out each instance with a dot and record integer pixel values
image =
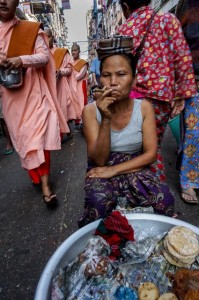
(117, 75)
(75, 52)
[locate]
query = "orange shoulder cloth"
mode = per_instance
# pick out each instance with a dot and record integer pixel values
(79, 65)
(23, 38)
(58, 56)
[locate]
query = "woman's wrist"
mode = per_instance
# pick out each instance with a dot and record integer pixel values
(106, 121)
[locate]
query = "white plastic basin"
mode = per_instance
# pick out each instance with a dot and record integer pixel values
(68, 250)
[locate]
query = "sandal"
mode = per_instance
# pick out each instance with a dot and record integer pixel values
(8, 151)
(189, 196)
(51, 200)
(68, 137)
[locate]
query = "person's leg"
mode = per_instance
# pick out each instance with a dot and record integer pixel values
(163, 200)
(47, 193)
(41, 175)
(189, 170)
(9, 146)
(146, 190)
(34, 176)
(78, 125)
(44, 171)
(77, 122)
(99, 200)
(70, 134)
(162, 115)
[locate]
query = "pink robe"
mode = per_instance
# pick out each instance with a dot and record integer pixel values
(32, 113)
(64, 94)
(76, 80)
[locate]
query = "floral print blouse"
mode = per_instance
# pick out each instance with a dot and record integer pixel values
(164, 70)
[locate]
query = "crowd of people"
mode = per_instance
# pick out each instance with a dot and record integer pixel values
(142, 77)
(42, 93)
(156, 67)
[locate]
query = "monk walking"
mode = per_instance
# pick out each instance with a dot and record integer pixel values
(31, 110)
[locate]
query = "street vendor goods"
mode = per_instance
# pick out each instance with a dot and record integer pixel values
(168, 296)
(181, 247)
(148, 291)
(121, 262)
(186, 284)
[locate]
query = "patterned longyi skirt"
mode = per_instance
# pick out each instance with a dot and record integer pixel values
(141, 188)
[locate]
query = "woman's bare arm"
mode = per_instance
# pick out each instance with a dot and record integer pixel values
(97, 135)
(149, 149)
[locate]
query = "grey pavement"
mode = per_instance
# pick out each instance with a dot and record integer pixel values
(30, 233)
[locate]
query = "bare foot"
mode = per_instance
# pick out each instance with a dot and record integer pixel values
(49, 198)
(189, 196)
(174, 215)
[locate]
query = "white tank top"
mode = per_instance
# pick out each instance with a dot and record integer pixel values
(129, 139)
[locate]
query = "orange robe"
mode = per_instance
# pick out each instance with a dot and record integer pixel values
(32, 112)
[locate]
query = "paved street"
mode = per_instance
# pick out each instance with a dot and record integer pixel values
(30, 232)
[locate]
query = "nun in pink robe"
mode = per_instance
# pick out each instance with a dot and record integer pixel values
(77, 78)
(32, 112)
(80, 77)
(64, 94)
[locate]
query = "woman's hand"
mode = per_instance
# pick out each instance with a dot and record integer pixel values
(58, 74)
(14, 62)
(101, 172)
(103, 103)
(177, 107)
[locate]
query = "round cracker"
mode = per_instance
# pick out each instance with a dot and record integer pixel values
(183, 240)
(174, 262)
(168, 296)
(176, 255)
(148, 291)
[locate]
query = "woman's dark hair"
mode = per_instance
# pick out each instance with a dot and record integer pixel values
(129, 57)
(134, 4)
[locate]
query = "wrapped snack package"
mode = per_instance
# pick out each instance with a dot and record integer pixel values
(139, 251)
(125, 207)
(84, 277)
(124, 292)
(95, 266)
(57, 289)
(96, 246)
(94, 259)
